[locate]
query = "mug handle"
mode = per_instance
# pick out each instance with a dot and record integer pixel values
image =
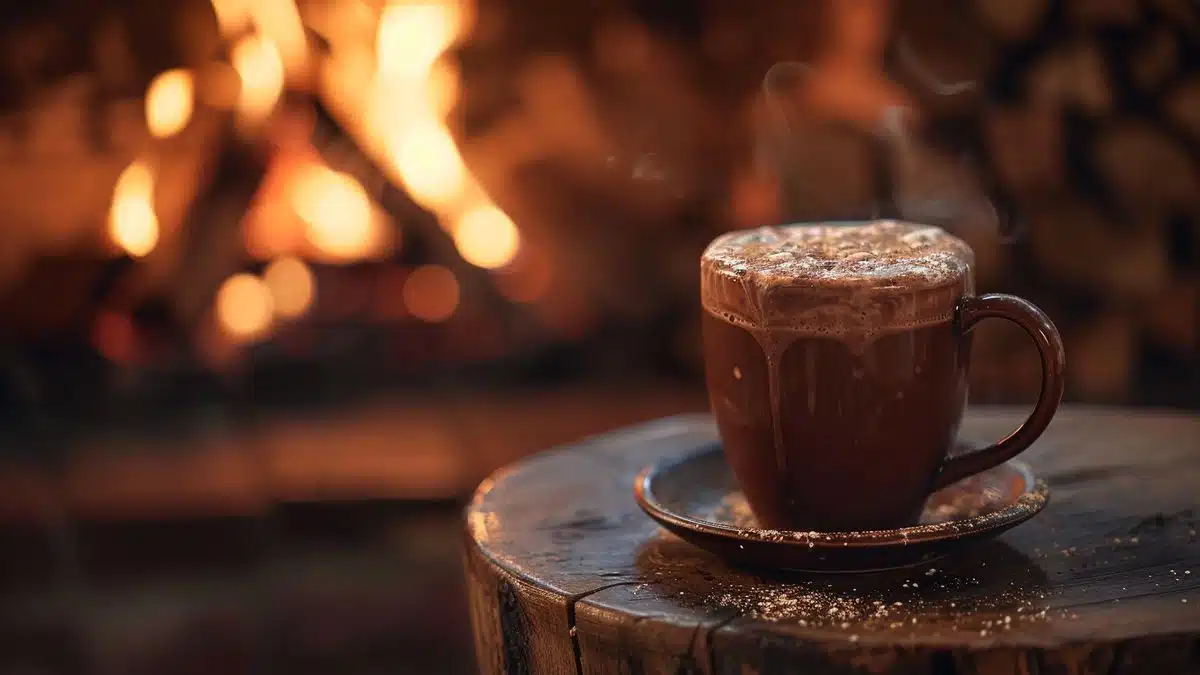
(972, 310)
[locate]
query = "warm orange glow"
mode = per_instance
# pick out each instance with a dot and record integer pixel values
(279, 22)
(131, 221)
(292, 286)
(244, 307)
(430, 164)
(389, 293)
(218, 85)
(260, 68)
(169, 102)
(335, 207)
(233, 16)
(441, 87)
(397, 107)
(527, 279)
(431, 293)
(412, 36)
(486, 237)
(114, 336)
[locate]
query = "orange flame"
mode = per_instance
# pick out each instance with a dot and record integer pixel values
(398, 112)
(169, 103)
(276, 21)
(132, 223)
(260, 68)
(340, 219)
(429, 164)
(486, 237)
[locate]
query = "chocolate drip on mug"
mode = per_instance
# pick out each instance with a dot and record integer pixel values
(853, 283)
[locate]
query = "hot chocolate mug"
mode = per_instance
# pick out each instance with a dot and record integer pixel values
(837, 360)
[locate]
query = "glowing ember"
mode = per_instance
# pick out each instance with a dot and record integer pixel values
(132, 223)
(260, 68)
(244, 307)
(169, 102)
(292, 286)
(431, 293)
(486, 237)
(335, 207)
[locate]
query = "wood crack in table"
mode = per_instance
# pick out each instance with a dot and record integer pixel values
(566, 575)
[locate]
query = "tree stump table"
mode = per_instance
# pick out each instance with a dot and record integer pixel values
(566, 575)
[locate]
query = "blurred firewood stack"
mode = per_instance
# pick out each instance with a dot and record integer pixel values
(1080, 118)
(1086, 118)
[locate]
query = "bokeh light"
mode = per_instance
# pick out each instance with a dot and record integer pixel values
(292, 286)
(244, 307)
(170, 100)
(431, 293)
(486, 237)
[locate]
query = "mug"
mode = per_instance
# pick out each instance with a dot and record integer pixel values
(837, 360)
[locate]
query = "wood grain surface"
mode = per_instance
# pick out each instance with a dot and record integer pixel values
(566, 575)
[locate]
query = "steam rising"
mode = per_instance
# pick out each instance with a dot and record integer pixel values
(928, 187)
(912, 181)
(909, 60)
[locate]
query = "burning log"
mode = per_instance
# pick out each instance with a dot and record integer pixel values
(213, 247)
(333, 142)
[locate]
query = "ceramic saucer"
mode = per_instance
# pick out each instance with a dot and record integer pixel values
(696, 497)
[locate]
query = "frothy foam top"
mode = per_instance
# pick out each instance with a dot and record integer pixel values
(835, 279)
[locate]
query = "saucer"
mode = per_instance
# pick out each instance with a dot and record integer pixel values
(697, 498)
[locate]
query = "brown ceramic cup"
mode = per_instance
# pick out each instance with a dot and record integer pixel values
(837, 361)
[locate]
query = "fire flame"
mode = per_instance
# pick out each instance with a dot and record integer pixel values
(429, 164)
(277, 21)
(169, 103)
(260, 68)
(340, 219)
(396, 102)
(486, 237)
(401, 112)
(132, 222)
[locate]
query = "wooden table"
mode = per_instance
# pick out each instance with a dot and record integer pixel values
(566, 575)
